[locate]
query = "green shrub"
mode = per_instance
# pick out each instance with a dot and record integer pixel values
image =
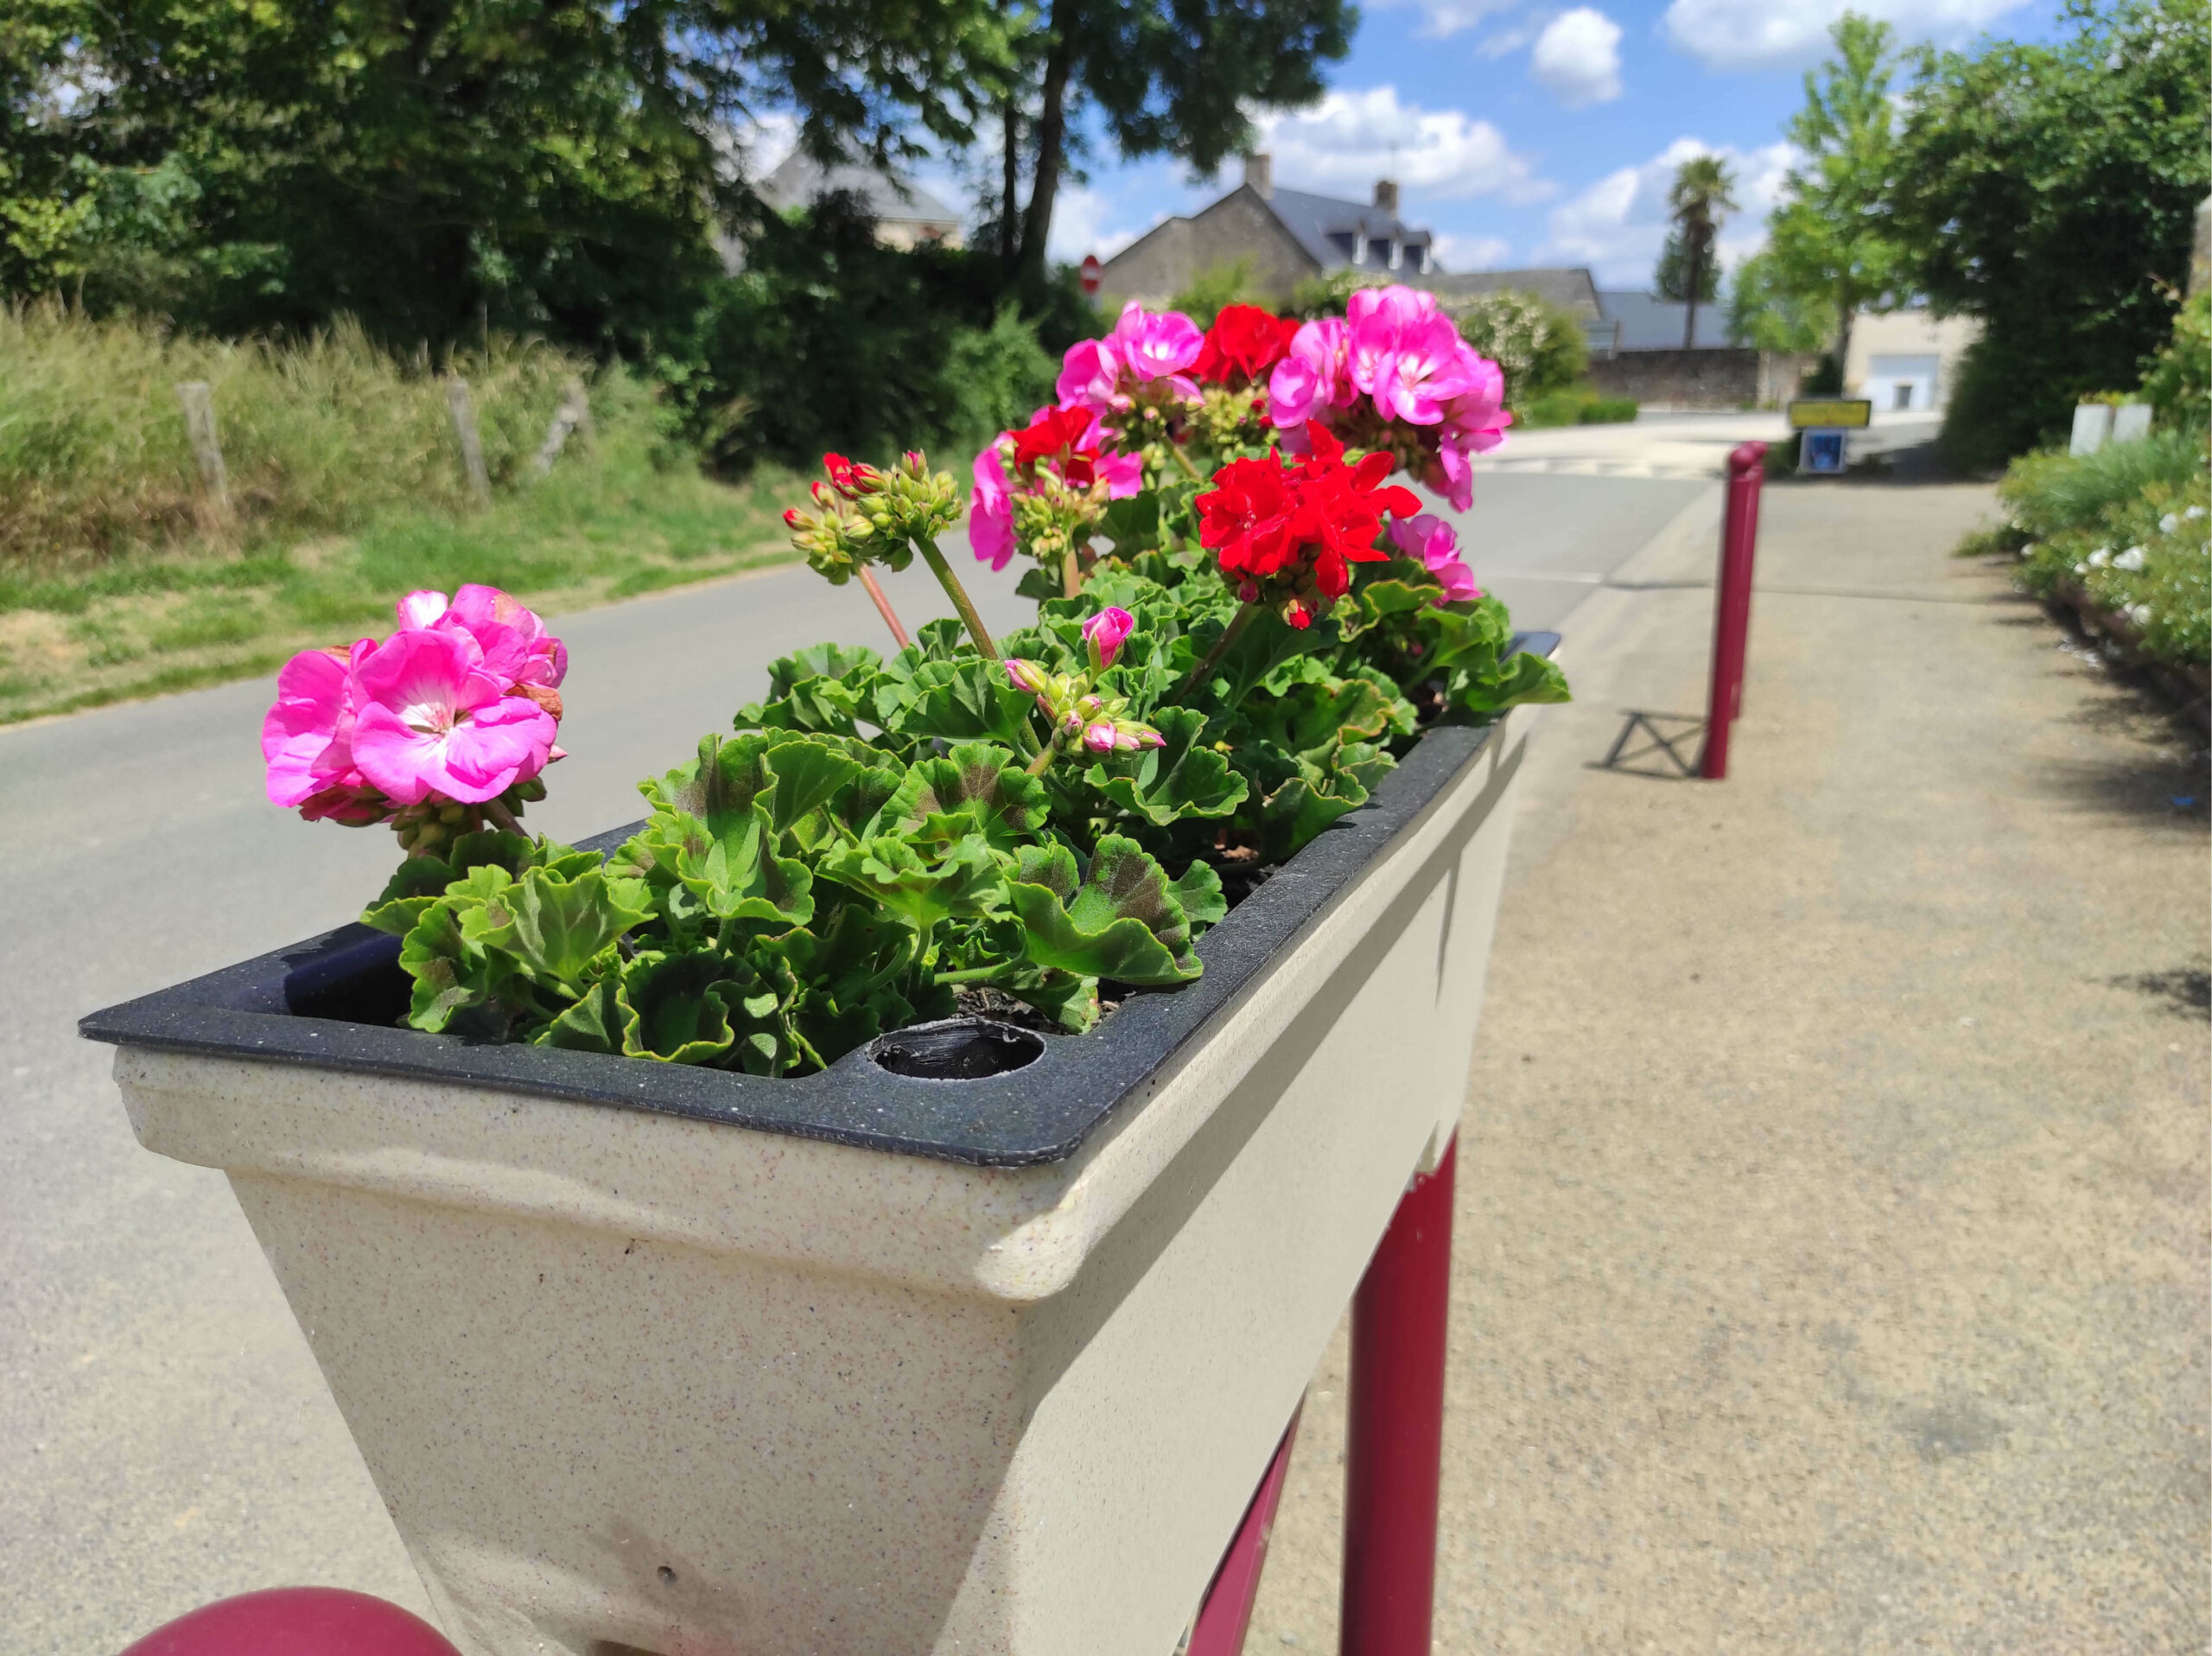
(1540, 347)
(317, 436)
(2177, 381)
(1576, 405)
(2052, 492)
(1213, 289)
(828, 341)
(2128, 526)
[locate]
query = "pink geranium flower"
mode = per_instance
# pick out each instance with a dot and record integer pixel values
(512, 641)
(1433, 541)
(1312, 379)
(306, 739)
(1090, 376)
(1157, 345)
(990, 509)
(430, 719)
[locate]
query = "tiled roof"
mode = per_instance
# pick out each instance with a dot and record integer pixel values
(1652, 324)
(1318, 222)
(1571, 290)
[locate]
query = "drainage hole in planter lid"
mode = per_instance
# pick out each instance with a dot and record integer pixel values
(960, 1049)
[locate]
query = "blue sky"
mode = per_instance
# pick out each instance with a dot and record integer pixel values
(1524, 132)
(1532, 133)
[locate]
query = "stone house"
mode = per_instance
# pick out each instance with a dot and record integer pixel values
(905, 214)
(1285, 235)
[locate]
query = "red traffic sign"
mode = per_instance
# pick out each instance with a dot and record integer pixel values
(1093, 273)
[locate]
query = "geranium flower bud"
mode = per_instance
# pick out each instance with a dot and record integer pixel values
(1029, 676)
(1102, 737)
(1105, 633)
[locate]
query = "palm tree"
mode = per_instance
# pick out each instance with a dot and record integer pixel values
(1703, 197)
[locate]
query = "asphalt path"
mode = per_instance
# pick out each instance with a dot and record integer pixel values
(165, 1438)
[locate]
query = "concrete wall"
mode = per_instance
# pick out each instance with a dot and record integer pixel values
(1704, 379)
(1239, 226)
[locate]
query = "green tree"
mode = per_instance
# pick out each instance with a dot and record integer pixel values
(1830, 243)
(1764, 313)
(1175, 79)
(1672, 279)
(1702, 199)
(434, 167)
(2050, 189)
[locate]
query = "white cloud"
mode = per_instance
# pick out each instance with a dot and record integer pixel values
(1441, 19)
(1079, 226)
(1462, 254)
(1618, 226)
(1350, 139)
(1577, 57)
(1767, 34)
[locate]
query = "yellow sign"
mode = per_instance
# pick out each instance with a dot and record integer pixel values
(1826, 413)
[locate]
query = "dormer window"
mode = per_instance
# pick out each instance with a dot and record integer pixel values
(1359, 248)
(1397, 252)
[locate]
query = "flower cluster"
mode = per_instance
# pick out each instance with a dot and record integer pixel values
(873, 516)
(449, 719)
(1287, 532)
(1076, 715)
(1395, 375)
(1144, 360)
(1044, 486)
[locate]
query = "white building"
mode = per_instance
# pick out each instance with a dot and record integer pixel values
(1906, 361)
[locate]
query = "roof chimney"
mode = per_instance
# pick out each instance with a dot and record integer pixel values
(1386, 195)
(1260, 174)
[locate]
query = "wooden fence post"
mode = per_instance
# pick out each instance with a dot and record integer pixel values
(472, 446)
(198, 402)
(574, 415)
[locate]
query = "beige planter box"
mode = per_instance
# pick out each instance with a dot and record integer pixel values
(691, 1377)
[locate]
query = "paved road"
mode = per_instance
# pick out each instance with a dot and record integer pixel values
(165, 1435)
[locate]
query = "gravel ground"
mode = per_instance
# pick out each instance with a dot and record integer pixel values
(1833, 1220)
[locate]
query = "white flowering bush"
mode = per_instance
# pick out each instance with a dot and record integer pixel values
(2128, 531)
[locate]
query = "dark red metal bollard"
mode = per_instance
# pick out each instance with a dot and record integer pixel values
(296, 1621)
(1393, 1451)
(1731, 614)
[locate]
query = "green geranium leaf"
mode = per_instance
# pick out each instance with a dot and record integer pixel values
(1292, 815)
(733, 870)
(593, 1025)
(921, 890)
(1133, 524)
(454, 977)
(967, 700)
(1520, 679)
(805, 776)
(1313, 720)
(674, 1007)
(1198, 894)
(420, 880)
(1180, 779)
(1123, 921)
(1050, 866)
(1037, 583)
(975, 788)
(558, 929)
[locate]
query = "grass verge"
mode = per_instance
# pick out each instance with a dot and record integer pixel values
(611, 527)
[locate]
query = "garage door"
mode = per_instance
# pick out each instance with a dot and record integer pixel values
(1899, 383)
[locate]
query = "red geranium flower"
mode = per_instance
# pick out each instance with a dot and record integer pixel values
(1294, 530)
(1058, 435)
(1242, 345)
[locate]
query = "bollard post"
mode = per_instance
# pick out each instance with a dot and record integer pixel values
(1394, 1447)
(1731, 608)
